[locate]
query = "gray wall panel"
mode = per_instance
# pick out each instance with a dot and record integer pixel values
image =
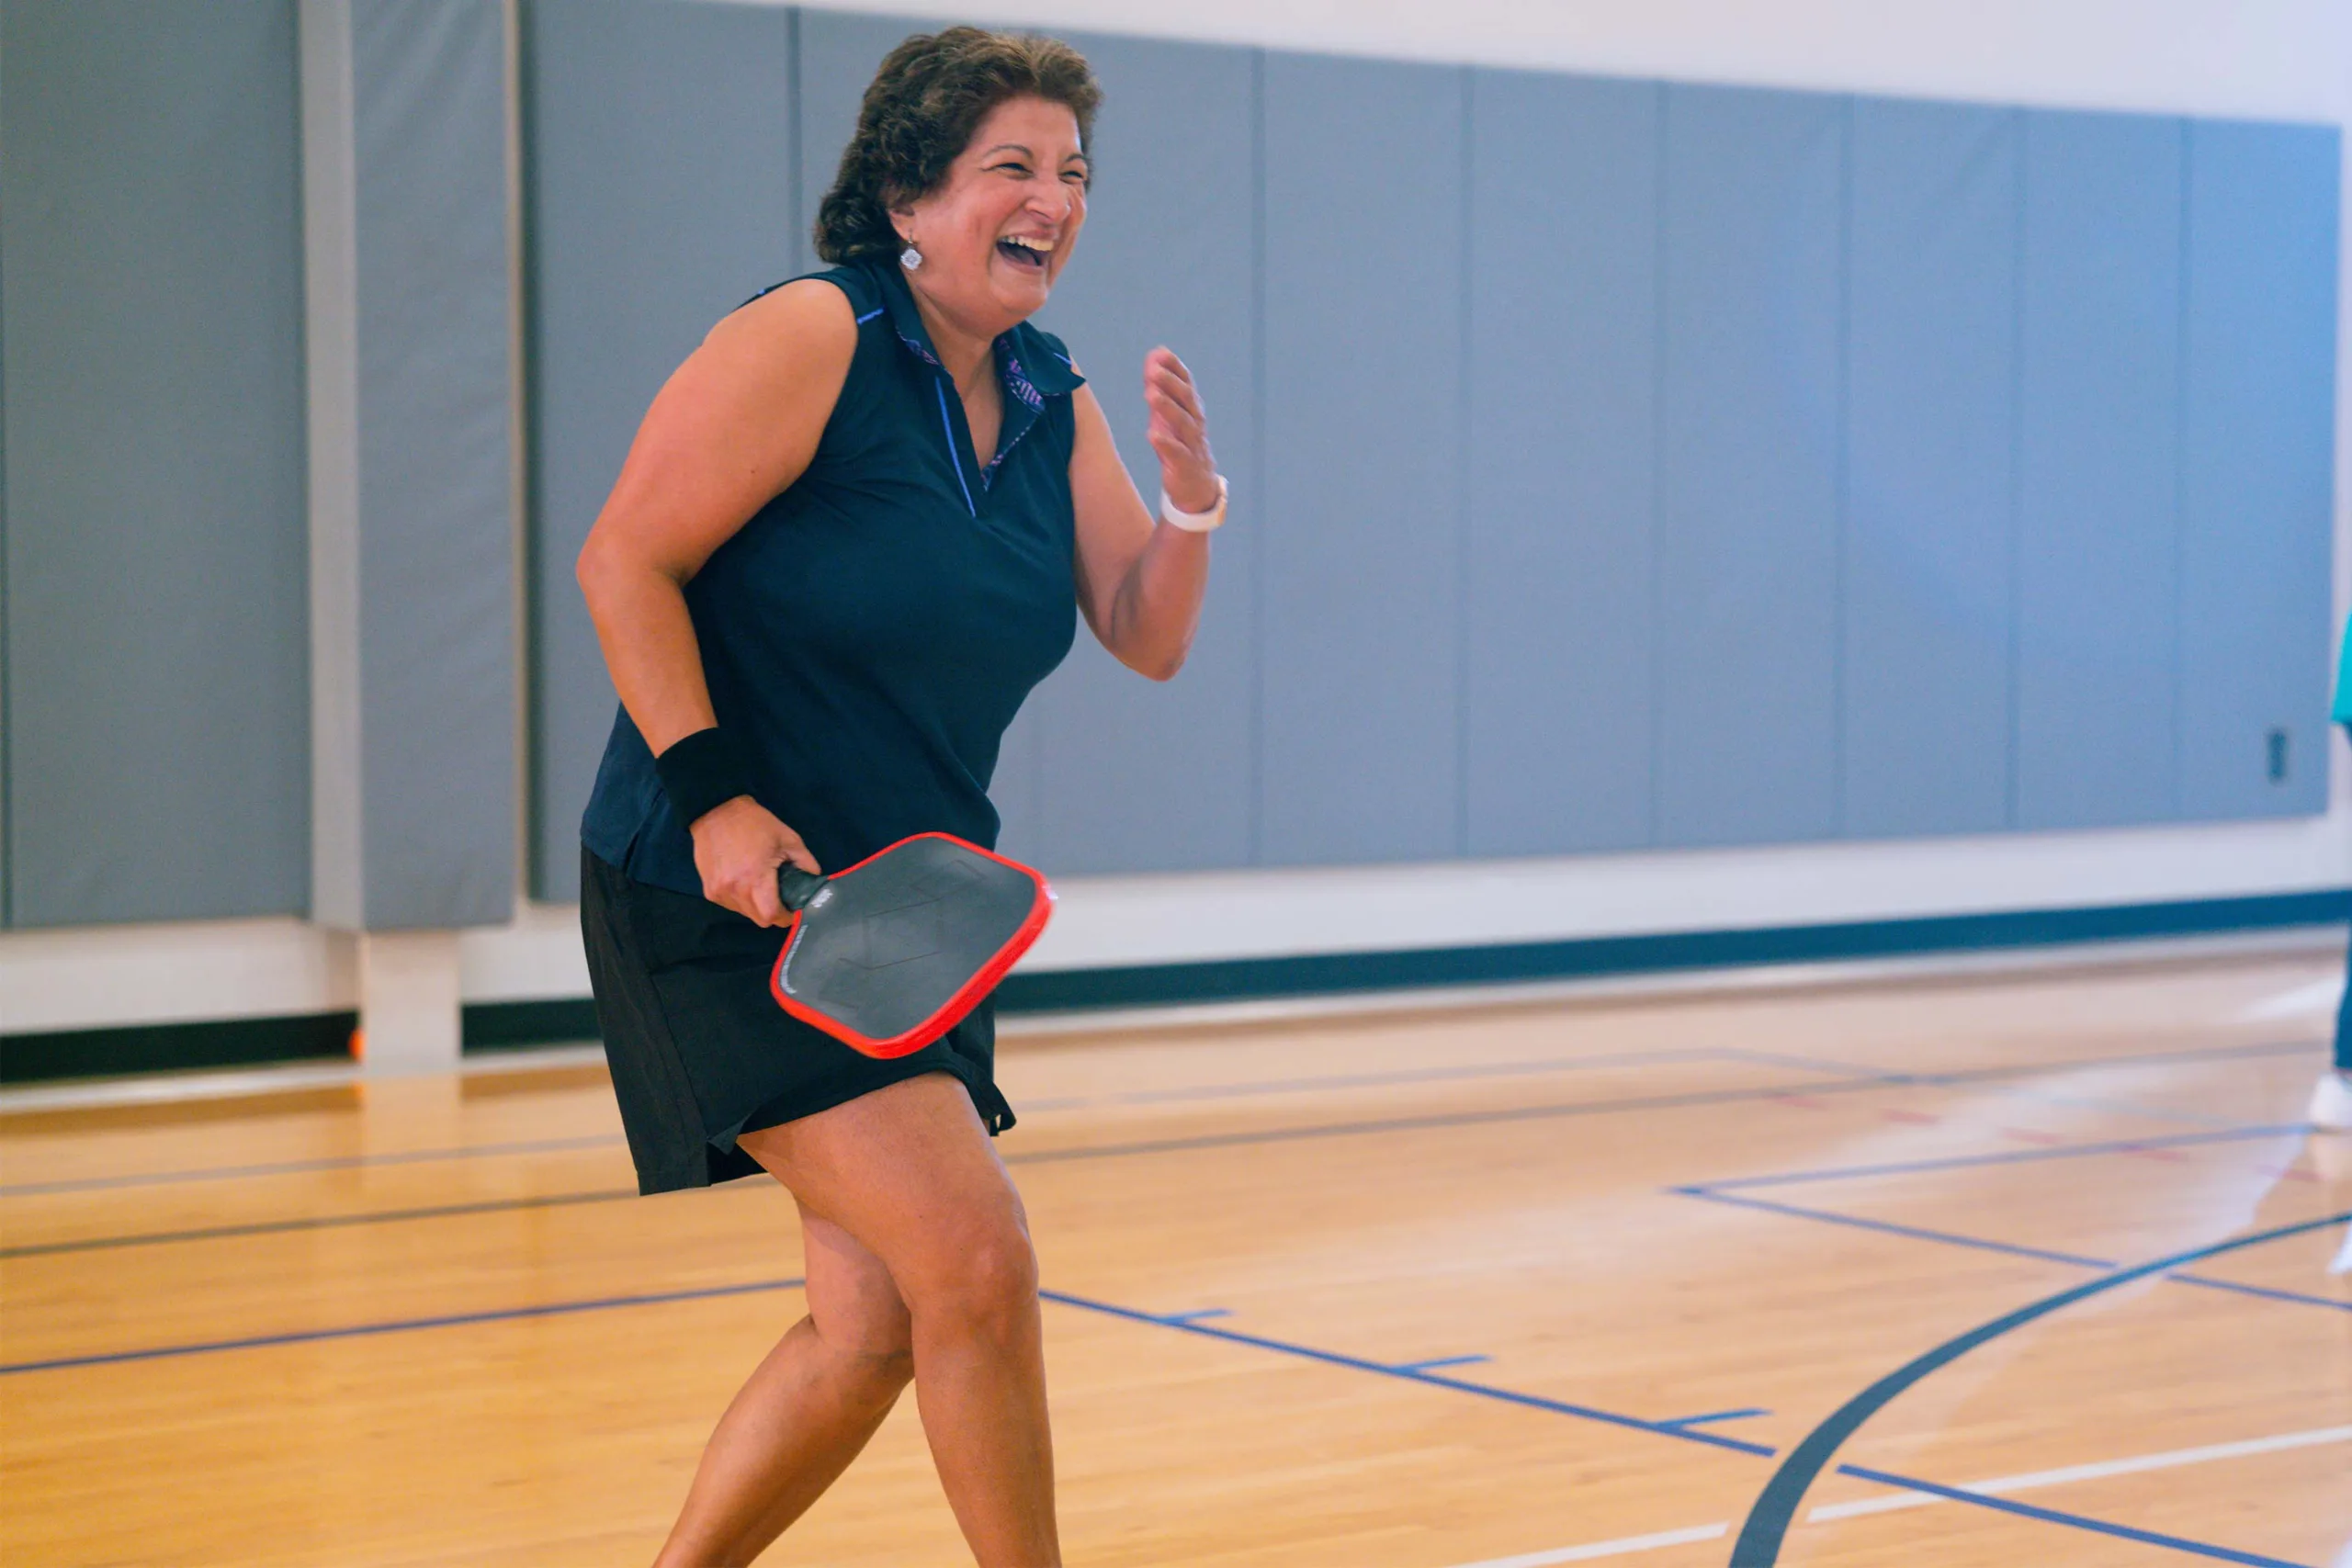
(662, 192)
(1563, 455)
(2099, 494)
(1139, 775)
(838, 50)
(1364, 192)
(2257, 468)
(1932, 430)
(150, 235)
(437, 541)
(1749, 451)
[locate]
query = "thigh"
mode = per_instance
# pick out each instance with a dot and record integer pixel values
(907, 1171)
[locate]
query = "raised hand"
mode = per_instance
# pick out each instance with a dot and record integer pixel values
(1179, 432)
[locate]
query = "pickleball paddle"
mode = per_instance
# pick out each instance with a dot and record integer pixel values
(890, 955)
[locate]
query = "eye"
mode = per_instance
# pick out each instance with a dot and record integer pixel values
(1010, 166)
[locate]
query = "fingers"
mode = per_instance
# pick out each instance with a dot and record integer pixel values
(767, 908)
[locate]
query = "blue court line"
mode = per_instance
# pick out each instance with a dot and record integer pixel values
(1671, 1430)
(2053, 1515)
(397, 1326)
(293, 1167)
(1768, 1522)
(1715, 1415)
(2002, 1156)
(1408, 1373)
(1177, 1319)
(2007, 1249)
(1441, 1362)
(320, 1222)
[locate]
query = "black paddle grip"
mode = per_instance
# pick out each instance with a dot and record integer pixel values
(795, 886)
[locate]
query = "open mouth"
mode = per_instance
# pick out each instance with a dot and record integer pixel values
(1024, 252)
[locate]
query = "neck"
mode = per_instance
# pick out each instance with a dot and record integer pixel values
(965, 354)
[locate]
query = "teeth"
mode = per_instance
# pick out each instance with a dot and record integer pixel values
(1043, 247)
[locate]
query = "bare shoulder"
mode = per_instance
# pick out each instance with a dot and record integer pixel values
(805, 329)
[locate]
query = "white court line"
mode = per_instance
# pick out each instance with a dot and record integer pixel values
(1591, 1550)
(2321, 996)
(1627, 1545)
(2004, 1484)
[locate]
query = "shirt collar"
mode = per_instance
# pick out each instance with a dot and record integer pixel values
(1026, 362)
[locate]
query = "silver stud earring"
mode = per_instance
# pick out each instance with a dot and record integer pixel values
(910, 258)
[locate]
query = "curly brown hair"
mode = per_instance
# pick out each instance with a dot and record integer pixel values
(920, 111)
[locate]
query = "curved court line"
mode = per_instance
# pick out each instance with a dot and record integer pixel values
(1185, 1322)
(397, 1326)
(1769, 1519)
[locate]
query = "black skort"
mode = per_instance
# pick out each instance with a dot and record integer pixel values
(700, 1051)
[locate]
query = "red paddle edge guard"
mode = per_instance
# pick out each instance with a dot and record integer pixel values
(962, 1002)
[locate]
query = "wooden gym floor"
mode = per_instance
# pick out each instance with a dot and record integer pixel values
(1496, 1285)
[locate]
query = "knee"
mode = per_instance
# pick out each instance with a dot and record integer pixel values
(986, 1283)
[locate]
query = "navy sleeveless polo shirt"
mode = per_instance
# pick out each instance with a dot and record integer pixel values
(869, 634)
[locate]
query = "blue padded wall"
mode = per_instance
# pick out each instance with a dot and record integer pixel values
(661, 196)
(2258, 466)
(1560, 690)
(1363, 345)
(1135, 776)
(2099, 483)
(1932, 426)
(1615, 464)
(156, 641)
(1750, 445)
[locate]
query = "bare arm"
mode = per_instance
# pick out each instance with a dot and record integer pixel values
(1140, 581)
(737, 423)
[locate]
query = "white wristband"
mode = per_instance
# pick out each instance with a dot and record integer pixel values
(1194, 522)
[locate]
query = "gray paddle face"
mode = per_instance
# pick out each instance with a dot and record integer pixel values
(890, 953)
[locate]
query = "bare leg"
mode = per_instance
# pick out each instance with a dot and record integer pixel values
(908, 1172)
(805, 1413)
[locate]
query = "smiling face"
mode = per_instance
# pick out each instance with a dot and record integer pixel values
(998, 230)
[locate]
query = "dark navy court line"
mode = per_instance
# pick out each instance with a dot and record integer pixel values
(1671, 1430)
(1408, 1374)
(2000, 1157)
(2080, 1521)
(1715, 1415)
(2007, 1249)
(319, 1223)
(1888, 1227)
(398, 1325)
(1432, 1122)
(1768, 1522)
(289, 1168)
(1032, 1157)
(1880, 1080)
(1404, 1076)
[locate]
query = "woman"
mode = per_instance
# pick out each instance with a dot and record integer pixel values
(821, 606)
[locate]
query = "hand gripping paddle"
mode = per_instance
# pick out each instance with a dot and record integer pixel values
(891, 953)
